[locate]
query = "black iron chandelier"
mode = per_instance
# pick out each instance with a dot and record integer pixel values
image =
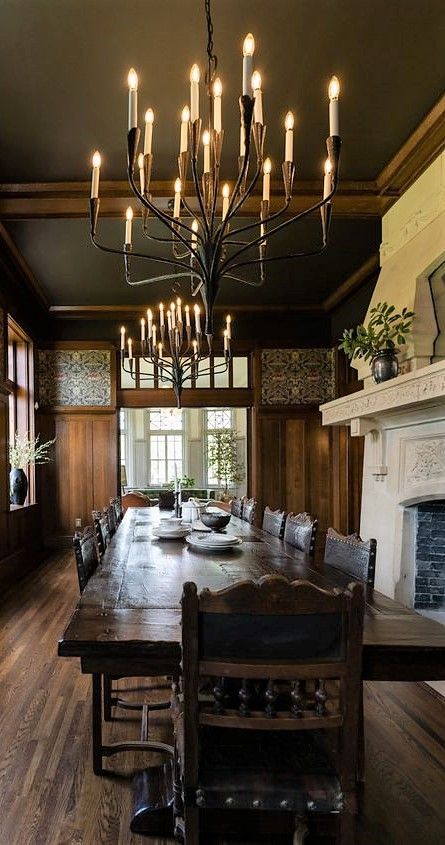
(207, 245)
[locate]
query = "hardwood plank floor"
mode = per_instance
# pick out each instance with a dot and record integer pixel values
(49, 796)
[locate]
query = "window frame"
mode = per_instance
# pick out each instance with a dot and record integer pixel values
(20, 385)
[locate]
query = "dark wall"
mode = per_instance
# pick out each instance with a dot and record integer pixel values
(352, 310)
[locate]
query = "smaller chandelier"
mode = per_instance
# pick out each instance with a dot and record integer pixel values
(178, 354)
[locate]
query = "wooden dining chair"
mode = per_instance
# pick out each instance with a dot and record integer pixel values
(111, 517)
(352, 555)
(250, 507)
(274, 521)
(135, 499)
(118, 510)
(356, 558)
(236, 507)
(102, 530)
(300, 531)
(248, 735)
(166, 500)
(85, 551)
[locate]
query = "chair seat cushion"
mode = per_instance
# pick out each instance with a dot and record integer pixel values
(267, 770)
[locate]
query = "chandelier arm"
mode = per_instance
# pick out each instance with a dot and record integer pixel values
(241, 175)
(255, 283)
(170, 277)
(201, 204)
(232, 213)
(267, 219)
(278, 258)
(159, 258)
(320, 204)
(160, 214)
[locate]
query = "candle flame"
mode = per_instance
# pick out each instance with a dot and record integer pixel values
(177, 186)
(129, 213)
(256, 81)
(249, 45)
(225, 190)
(195, 74)
(206, 137)
(185, 114)
(97, 159)
(289, 120)
(195, 225)
(334, 88)
(132, 79)
(217, 87)
(267, 167)
(149, 116)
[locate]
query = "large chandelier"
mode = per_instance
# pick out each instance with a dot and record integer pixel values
(207, 245)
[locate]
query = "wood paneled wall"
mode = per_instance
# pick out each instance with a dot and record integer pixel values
(84, 473)
(298, 464)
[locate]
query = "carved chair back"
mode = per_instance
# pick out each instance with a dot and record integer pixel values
(249, 510)
(300, 531)
(352, 555)
(236, 507)
(118, 510)
(274, 521)
(102, 530)
(111, 517)
(86, 555)
(135, 499)
(280, 656)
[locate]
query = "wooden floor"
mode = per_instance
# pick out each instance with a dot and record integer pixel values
(49, 796)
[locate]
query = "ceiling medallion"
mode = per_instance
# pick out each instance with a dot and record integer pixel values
(207, 244)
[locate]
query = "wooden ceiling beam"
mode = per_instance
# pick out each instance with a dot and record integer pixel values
(352, 283)
(27, 201)
(133, 312)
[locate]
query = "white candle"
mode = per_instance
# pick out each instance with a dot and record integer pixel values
(194, 93)
(217, 92)
(225, 202)
(123, 337)
(194, 234)
(267, 167)
(258, 97)
(195, 348)
(132, 99)
(149, 322)
(95, 175)
(169, 321)
(160, 350)
(141, 172)
(334, 91)
(154, 336)
(197, 320)
(226, 341)
(327, 185)
(229, 326)
(128, 223)
(289, 138)
(173, 313)
(161, 314)
(248, 51)
(206, 148)
(179, 311)
(187, 316)
(142, 329)
(148, 138)
(130, 347)
(177, 203)
(242, 141)
(185, 117)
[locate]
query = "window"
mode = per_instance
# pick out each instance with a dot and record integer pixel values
(21, 389)
(165, 445)
(217, 419)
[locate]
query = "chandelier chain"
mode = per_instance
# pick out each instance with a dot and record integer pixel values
(212, 59)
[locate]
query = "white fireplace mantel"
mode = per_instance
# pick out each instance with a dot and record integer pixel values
(403, 422)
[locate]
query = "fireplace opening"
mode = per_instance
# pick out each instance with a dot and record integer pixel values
(430, 556)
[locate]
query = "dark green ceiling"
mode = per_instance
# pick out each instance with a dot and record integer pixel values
(63, 68)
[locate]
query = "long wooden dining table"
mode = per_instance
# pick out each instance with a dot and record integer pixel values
(127, 621)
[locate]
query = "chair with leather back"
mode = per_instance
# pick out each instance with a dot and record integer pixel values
(111, 517)
(102, 530)
(166, 500)
(135, 499)
(267, 718)
(85, 551)
(300, 531)
(250, 507)
(274, 521)
(352, 555)
(236, 507)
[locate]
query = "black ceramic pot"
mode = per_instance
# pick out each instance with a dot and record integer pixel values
(384, 366)
(18, 487)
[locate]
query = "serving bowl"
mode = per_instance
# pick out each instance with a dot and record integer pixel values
(215, 521)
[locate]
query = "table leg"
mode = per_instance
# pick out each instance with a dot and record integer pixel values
(97, 723)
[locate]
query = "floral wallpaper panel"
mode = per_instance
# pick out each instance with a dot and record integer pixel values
(297, 376)
(77, 378)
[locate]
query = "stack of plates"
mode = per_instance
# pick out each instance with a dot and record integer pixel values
(213, 542)
(171, 530)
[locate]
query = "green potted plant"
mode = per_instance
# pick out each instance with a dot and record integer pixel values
(223, 459)
(23, 451)
(377, 341)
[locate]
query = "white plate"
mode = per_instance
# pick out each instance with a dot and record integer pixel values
(176, 533)
(204, 544)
